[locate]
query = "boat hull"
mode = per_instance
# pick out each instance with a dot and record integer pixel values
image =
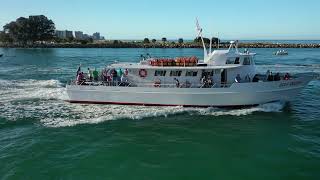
(238, 94)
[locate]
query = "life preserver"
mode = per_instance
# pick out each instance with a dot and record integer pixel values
(143, 73)
(157, 83)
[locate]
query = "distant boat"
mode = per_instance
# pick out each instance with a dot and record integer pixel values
(281, 52)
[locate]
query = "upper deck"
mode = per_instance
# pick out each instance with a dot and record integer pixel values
(128, 65)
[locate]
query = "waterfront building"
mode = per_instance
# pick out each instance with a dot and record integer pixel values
(78, 34)
(64, 34)
(60, 34)
(96, 36)
(86, 36)
(69, 34)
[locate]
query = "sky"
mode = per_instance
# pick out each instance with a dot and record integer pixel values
(137, 19)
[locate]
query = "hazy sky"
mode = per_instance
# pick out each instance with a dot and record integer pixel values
(136, 19)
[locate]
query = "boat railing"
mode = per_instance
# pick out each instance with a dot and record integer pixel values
(148, 84)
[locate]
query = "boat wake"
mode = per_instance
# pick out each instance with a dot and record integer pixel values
(43, 100)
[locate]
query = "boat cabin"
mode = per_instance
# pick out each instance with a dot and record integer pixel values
(219, 67)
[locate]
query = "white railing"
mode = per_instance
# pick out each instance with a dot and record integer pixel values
(147, 84)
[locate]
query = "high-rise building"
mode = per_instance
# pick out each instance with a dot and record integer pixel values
(78, 35)
(64, 34)
(96, 36)
(60, 34)
(69, 34)
(86, 36)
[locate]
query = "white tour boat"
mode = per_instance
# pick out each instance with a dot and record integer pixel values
(223, 78)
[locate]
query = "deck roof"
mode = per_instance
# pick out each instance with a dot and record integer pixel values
(142, 66)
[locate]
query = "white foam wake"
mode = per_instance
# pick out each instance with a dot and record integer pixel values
(30, 89)
(43, 100)
(91, 114)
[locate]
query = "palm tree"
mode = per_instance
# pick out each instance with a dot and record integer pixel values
(164, 39)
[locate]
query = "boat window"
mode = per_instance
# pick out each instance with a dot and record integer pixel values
(230, 61)
(237, 61)
(246, 61)
(160, 73)
(175, 73)
(191, 73)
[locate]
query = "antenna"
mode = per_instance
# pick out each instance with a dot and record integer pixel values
(218, 41)
(199, 30)
(210, 46)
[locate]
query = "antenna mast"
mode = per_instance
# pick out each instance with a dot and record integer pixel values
(210, 46)
(199, 30)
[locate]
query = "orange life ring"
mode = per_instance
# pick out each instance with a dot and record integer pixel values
(143, 73)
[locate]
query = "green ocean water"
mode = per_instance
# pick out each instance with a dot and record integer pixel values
(44, 137)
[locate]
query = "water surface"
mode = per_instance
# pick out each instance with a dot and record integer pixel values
(43, 137)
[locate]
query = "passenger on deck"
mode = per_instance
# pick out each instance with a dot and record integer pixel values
(286, 76)
(104, 75)
(203, 80)
(124, 80)
(80, 78)
(109, 77)
(119, 73)
(95, 74)
(277, 77)
(114, 76)
(209, 82)
(90, 76)
(237, 79)
(270, 77)
(255, 78)
(78, 71)
(177, 82)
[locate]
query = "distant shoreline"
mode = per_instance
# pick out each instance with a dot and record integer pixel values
(157, 45)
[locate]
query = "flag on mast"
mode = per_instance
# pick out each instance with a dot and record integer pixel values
(199, 29)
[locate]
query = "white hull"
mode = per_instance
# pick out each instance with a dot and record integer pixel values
(238, 94)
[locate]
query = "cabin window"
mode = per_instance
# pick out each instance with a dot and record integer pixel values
(175, 73)
(191, 73)
(237, 61)
(160, 73)
(246, 61)
(230, 61)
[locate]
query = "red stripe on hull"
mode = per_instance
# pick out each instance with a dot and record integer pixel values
(143, 104)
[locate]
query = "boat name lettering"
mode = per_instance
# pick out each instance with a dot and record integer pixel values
(293, 83)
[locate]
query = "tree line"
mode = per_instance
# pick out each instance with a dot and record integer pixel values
(28, 30)
(39, 28)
